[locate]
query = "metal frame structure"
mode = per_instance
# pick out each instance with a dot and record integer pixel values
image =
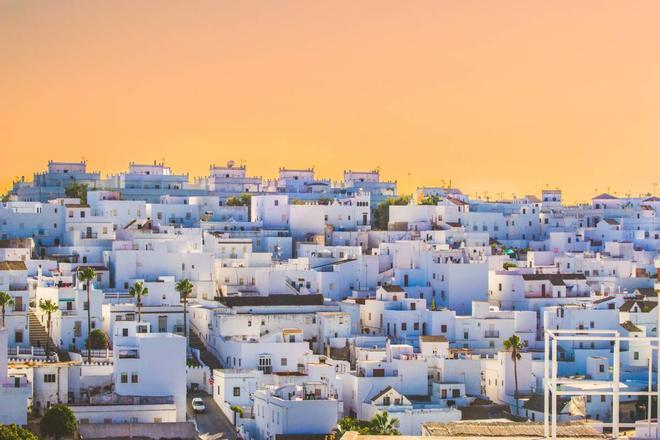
(552, 382)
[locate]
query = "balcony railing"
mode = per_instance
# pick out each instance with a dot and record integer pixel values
(492, 334)
(18, 286)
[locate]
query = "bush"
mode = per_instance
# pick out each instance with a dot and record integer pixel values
(59, 421)
(15, 432)
(99, 339)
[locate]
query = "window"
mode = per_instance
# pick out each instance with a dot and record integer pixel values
(134, 378)
(237, 391)
(443, 328)
(404, 326)
(283, 362)
(603, 398)
(601, 368)
(636, 355)
(264, 363)
(124, 378)
(49, 378)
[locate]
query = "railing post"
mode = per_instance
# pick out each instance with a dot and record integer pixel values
(546, 384)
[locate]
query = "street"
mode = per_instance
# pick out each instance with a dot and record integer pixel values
(212, 424)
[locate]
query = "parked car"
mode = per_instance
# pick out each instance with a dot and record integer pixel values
(198, 405)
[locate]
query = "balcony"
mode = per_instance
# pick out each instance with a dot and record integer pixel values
(88, 235)
(492, 334)
(18, 286)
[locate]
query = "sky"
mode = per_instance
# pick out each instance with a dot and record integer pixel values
(498, 97)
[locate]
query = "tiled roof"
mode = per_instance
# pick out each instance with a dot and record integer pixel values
(272, 300)
(456, 201)
(392, 288)
(630, 327)
(380, 393)
(433, 338)
(508, 429)
(645, 306)
(13, 265)
(556, 279)
(605, 196)
(16, 243)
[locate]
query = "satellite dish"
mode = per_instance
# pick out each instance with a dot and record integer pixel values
(230, 163)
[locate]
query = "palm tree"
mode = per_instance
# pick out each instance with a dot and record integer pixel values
(87, 275)
(48, 307)
(184, 287)
(515, 346)
(137, 291)
(381, 424)
(5, 300)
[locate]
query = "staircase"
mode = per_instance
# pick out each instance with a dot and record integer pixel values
(39, 337)
(204, 354)
(38, 334)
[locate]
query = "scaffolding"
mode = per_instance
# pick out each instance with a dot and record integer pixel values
(612, 387)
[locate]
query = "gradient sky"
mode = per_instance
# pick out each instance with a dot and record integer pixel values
(498, 96)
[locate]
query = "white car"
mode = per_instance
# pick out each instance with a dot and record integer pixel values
(198, 405)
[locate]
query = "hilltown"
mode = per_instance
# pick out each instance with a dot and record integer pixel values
(299, 307)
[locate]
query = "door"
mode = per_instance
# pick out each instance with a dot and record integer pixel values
(364, 219)
(162, 324)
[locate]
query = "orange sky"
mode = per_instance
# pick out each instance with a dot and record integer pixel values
(495, 95)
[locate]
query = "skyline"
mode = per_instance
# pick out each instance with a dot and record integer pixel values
(485, 194)
(489, 96)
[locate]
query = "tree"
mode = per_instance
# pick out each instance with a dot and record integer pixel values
(59, 421)
(515, 346)
(382, 211)
(5, 300)
(381, 424)
(77, 190)
(87, 275)
(15, 432)
(99, 339)
(236, 410)
(431, 199)
(185, 288)
(348, 424)
(48, 307)
(242, 200)
(137, 291)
